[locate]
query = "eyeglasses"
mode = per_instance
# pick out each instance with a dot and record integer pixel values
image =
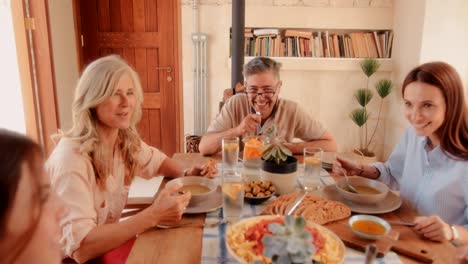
(252, 93)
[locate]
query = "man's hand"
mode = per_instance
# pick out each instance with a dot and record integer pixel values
(249, 124)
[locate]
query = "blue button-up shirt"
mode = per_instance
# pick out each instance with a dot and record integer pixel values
(433, 182)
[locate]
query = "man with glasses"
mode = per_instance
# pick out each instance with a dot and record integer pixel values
(259, 108)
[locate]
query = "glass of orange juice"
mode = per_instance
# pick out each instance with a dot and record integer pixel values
(252, 151)
(312, 167)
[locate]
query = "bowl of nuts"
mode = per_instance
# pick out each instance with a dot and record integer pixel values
(257, 192)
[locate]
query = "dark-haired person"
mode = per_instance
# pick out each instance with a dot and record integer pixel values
(29, 212)
(238, 117)
(430, 164)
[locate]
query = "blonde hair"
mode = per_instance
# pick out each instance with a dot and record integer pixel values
(97, 83)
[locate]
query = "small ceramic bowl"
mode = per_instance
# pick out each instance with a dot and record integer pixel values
(361, 197)
(195, 180)
(257, 192)
(369, 226)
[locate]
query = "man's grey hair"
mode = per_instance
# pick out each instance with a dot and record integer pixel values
(261, 65)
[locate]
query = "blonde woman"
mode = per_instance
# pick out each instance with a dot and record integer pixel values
(95, 161)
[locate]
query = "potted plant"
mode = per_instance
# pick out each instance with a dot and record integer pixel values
(278, 164)
(361, 115)
(289, 242)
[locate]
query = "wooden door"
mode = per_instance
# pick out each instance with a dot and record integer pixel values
(145, 34)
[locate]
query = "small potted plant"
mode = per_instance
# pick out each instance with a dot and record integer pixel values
(289, 242)
(278, 164)
(361, 115)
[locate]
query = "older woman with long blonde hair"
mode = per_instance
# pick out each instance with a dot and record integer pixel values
(95, 161)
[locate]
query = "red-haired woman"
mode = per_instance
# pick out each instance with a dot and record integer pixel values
(430, 164)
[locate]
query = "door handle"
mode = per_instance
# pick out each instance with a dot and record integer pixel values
(167, 69)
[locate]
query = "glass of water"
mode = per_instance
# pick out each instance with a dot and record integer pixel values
(230, 152)
(312, 167)
(233, 195)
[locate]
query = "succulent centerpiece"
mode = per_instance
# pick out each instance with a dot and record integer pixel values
(278, 163)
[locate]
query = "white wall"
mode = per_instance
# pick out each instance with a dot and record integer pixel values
(324, 89)
(65, 57)
(11, 102)
(426, 30)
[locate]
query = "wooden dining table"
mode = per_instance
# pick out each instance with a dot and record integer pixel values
(184, 245)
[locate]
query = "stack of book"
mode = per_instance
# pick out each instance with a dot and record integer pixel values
(274, 42)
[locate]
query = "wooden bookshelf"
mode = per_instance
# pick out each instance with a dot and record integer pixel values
(318, 43)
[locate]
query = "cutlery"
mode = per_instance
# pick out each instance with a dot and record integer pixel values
(299, 199)
(350, 187)
(259, 127)
(401, 223)
(371, 254)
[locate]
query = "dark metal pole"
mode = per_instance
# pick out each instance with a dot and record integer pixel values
(237, 60)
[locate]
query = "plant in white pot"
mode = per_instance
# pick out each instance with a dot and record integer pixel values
(278, 164)
(361, 115)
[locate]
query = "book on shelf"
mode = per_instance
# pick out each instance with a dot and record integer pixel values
(276, 42)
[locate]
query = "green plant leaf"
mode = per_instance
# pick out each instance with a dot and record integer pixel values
(369, 66)
(359, 116)
(363, 96)
(285, 150)
(384, 87)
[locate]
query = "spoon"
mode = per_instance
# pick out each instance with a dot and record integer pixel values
(350, 187)
(400, 223)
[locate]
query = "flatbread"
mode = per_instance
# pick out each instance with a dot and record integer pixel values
(312, 208)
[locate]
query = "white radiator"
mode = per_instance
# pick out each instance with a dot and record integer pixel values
(200, 73)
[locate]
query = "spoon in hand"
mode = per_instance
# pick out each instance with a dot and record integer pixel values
(350, 187)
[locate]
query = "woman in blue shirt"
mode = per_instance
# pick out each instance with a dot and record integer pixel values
(430, 164)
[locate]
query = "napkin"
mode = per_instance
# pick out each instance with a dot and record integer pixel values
(143, 191)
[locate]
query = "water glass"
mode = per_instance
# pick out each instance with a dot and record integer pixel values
(312, 167)
(230, 152)
(233, 195)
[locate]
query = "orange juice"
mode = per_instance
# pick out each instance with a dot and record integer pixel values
(252, 152)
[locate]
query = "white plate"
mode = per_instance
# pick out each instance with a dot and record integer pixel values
(212, 203)
(389, 204)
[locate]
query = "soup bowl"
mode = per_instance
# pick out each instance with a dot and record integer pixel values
(370, 191)
(369, 226)
(199, 187)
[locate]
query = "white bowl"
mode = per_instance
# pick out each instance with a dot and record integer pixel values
(195, 180)
(359, 197)
(371, 218)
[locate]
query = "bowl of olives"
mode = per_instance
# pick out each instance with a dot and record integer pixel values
(257, 192)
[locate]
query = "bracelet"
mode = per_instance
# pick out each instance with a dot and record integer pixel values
(455, 234)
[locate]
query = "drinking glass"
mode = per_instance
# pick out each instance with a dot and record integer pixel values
(230, 152)
(233, 195)
(252, 153)
(312, 167)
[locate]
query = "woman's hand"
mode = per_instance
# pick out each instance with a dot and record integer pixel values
(208, 170)
(461, 257)
(350, 167)
(433, 228)
(169, 206)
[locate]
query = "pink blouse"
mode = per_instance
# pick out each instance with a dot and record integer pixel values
(74, 181)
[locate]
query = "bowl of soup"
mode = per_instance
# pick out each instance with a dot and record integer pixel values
(199, 187)
(369, 226)
(369, 191)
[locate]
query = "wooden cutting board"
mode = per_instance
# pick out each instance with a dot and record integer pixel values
(383, 245)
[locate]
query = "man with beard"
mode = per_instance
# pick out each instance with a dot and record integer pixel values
(259, 108)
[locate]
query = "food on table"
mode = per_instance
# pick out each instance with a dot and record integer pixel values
(312, 208)
(369, 227)
(362, 189)
(259, 189)
(244, 239)
(195, 189)
(252, 148)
